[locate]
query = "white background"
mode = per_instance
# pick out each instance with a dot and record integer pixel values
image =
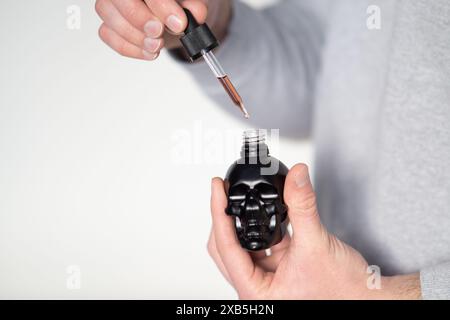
(87, 174)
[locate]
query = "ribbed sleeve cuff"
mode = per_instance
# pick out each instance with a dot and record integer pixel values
(435, 282)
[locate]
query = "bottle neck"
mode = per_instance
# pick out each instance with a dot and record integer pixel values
(254, 145)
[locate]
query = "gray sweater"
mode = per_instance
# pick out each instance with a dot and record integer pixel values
(376, 104)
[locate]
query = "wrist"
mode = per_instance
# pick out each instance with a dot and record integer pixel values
(404, 287)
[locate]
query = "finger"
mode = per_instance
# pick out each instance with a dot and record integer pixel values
(212, 250)
(172, 15)
(153, 45)
(243, 272)
(282, 245)
(115, 21)
(302, 210)
(123, 47)
(138, 14)
(278, 252)
(256, 255)
(270, 263)
(198, 8)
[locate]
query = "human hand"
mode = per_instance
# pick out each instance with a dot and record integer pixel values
(140, 29)
(313, 264)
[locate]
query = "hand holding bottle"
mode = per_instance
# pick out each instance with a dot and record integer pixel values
(312, 264)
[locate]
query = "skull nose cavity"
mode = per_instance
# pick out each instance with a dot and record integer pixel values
(252, 194)
(252, 207)
(252, 202)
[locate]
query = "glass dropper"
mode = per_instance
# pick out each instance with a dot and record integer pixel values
(199, 41)
(220, 74)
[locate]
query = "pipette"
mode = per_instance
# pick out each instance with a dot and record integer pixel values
(199, 41)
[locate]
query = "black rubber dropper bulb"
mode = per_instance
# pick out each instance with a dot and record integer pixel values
(198, 39)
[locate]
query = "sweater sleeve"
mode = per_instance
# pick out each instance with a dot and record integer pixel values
(435, 282)
(273, 58)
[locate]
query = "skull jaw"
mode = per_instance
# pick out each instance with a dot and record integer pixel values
(262, 239)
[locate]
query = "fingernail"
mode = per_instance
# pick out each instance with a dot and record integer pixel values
(149, 55)
(174, 23)
(153, 28)
(302, 178)
(152, 45)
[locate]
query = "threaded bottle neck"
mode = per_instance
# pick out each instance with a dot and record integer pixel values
(254, 144)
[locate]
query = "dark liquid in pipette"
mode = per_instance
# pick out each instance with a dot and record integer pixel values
(234, 95)
(231, 90)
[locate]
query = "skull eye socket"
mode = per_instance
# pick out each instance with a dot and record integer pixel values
(237, 198)
(267, 191)
(237, 193)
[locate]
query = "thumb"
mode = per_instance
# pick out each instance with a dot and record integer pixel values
(302, 210)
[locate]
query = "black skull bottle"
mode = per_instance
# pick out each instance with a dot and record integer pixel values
(254, 185)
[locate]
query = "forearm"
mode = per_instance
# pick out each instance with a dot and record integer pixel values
(404, 287)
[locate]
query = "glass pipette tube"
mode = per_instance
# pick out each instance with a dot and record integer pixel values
(223, 78)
